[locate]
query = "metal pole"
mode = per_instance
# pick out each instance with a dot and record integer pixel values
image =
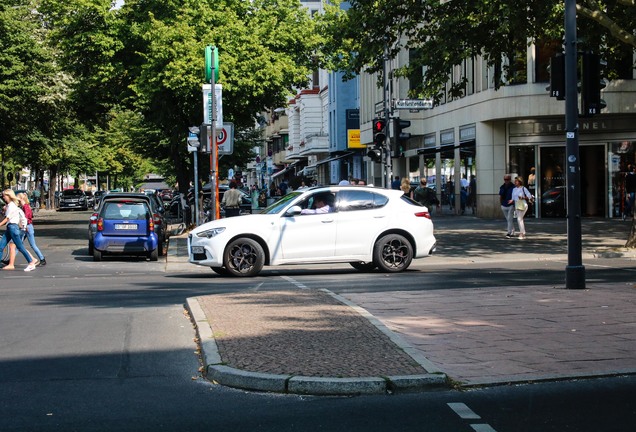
(196, 186)
(385, 100)
(214, 155)
(574, 271)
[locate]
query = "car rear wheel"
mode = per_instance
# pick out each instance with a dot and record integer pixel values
(393, 253)
(97, 255)
(363, 266)
(154, 255)
(91, 248)
(244, 257)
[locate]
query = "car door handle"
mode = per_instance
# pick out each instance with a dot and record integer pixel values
(326, 220)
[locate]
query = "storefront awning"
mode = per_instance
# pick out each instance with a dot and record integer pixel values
(333, 158)
(284, 170)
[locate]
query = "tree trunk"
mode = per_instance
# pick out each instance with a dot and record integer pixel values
(52, 186)
(631, 240)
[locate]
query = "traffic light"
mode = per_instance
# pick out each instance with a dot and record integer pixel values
(557, 77)
(204, 137)
(379, 132)
(400, 136)
(592, 83)
(375, 154)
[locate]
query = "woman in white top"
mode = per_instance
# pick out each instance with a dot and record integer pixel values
(521, 197)
(12, 220)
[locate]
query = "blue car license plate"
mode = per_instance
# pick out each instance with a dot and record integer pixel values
(125, 226)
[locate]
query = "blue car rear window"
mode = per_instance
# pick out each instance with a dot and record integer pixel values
(124, 211)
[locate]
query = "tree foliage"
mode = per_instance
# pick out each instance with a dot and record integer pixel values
(147, 58)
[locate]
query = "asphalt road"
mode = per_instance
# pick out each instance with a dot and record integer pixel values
(106, 346)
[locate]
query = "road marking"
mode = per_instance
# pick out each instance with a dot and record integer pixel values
(462, 410)
(482, 428)
(466, 413)
(294, 282)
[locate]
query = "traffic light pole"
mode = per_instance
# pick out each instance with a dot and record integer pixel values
(574, 271)
(385, 100)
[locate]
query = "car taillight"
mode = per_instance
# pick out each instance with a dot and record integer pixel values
(100, 224)
(427, 215)
(151, 225)
(94, 219)
(156, 219)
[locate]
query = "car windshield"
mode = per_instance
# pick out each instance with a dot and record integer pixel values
(277, 206)
(72, 192)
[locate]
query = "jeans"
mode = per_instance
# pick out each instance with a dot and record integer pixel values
(509, 215)
(519, 214)
(30, 235)
(13, 233)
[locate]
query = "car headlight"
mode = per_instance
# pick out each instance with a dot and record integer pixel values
(210, 233)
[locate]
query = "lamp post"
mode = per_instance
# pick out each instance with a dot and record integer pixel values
(574, 271)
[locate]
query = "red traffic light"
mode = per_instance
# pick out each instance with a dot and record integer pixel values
(378, 125)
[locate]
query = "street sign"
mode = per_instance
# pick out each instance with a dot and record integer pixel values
(414, 104)
(192, 142)
(207, 104)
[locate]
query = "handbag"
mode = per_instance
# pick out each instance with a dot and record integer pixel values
(521, 205)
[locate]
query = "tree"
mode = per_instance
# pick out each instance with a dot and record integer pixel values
(26, 93)
(147, 57)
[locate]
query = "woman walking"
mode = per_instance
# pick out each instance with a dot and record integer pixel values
(12, 233)
(29, 233)
(521, 197)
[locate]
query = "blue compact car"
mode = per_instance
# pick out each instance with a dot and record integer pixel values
(125, 226)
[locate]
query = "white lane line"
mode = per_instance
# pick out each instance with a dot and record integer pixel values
(463, 411)
(466, 413)
(482, 428)
(294, 282)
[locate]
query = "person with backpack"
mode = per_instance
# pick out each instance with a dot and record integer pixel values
(425, 195)
(12, 216)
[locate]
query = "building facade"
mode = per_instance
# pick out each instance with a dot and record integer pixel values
(517, 129)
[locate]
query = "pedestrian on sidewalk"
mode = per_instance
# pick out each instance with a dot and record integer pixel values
(522, 198)
(12, 233)
(507, 204)
(232, 201)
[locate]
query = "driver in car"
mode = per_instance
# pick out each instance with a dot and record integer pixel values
(320, 204)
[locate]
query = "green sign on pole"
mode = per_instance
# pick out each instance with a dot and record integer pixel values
(211, 62)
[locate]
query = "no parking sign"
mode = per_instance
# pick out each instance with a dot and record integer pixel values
(225, 139)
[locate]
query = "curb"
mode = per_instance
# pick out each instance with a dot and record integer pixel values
(217, 372)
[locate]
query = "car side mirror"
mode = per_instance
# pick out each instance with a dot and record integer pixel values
(293, 211)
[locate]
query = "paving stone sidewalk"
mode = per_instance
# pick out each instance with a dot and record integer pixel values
(301, 332)
(494, 335)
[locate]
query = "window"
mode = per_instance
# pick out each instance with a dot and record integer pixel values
(350, 200)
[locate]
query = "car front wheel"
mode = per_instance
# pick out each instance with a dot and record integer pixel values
(363, 266)
(97, 255)
(220, 271)
(244, 257)
(393, 253)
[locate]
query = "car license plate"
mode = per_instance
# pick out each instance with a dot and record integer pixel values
(198, 249)
(126, 226)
